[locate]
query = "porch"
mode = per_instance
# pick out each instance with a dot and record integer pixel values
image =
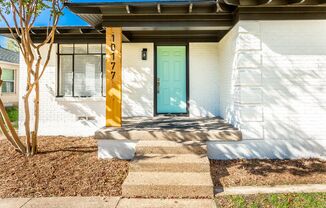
(171, 128)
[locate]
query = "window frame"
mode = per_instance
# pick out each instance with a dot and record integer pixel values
(73, 54)
(13, 81)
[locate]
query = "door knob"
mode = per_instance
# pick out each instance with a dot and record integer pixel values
(158, 85)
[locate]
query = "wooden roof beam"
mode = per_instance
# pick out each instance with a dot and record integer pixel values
(128, 9)
(296, 1)
(57, 31)
(126, 37)
(32, 31)
(232, 2)
(255, 2)
(218, 7)
(159, 8)
(271, 2)
(101, 31)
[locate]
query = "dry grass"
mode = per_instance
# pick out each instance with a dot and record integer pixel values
(64, 167)
(268, 172)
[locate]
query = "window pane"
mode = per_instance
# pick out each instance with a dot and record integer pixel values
(104, 78)
(8, 75)
(8, 87)
(94, 48)
(66, 48)
(80, 48)
(87, 80)
(66, 75)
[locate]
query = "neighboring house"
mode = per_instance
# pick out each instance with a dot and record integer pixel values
(9, 62)
(260, 65)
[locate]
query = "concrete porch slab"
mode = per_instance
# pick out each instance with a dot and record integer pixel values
(171, 128)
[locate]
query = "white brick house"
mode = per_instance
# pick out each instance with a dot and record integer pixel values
(266, 76)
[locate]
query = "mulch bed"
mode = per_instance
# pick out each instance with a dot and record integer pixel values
(268, 172)
(70, 167)
(64, 167)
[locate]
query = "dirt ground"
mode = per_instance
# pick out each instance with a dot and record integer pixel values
(267, 172)
(63, 167)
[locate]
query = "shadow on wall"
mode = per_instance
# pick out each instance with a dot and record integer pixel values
(291, 78)
(267, 149)
(286, 64)
(137, 91)
(294, 80)
(88, 112)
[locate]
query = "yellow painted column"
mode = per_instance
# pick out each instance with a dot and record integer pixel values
(113, 76)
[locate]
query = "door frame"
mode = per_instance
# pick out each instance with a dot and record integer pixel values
(186, 44)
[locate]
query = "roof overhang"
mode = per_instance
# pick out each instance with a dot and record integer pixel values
(177, 21)
(197, 21)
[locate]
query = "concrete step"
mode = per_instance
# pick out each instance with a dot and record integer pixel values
(177, 135)
(170, 163)
(171, 147)
(168, 185)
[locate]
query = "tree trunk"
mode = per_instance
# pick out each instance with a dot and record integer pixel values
(12, 130)
(27, 112)
(6, 133)
(36, 117)
(24, 14)
(6, 125)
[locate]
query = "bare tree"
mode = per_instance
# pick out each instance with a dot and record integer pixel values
(24, 13)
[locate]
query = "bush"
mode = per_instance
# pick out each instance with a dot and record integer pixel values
(12, 113)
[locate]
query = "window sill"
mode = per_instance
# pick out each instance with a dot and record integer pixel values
(8, 93)
(80, 99)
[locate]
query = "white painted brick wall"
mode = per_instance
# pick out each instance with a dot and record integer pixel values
(279, 68)
(229, 78)
(203, 76)
(59, 116)
(137, 79)
(268, 79)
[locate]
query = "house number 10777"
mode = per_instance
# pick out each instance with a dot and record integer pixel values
(112, 46)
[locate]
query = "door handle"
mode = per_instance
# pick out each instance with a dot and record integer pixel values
(158, 85)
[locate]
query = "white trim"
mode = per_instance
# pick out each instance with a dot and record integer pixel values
(80, 99)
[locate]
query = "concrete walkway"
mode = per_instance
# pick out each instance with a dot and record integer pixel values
(101, 202)
(118, 202)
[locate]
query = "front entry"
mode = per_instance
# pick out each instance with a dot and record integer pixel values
(171, 80)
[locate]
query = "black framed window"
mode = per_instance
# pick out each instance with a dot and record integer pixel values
(80, 70)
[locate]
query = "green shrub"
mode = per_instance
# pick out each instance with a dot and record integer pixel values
(12, 113)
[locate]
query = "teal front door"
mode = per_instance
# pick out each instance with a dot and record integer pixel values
(171, 82)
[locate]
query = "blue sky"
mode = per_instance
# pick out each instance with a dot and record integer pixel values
(68, 19)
